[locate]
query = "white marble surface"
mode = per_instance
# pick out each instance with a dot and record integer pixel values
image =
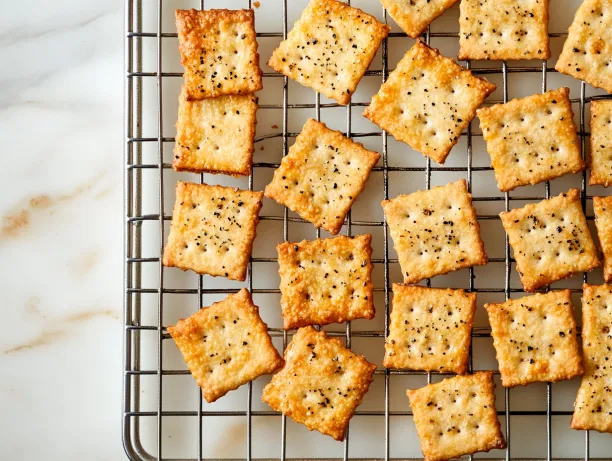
(60, 229)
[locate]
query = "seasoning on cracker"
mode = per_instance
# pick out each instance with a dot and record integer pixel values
(600, 160)
(413, 16)
(427, 101)
(532, 139)
(226, 345)
(435, 231)
(219, 52)
(212, 230)
(430, 329)
(602, 206)
(321, 384)
(326, 281)
(322, 175)
(550, 239)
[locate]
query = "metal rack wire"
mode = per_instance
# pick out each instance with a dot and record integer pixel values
(134, 219)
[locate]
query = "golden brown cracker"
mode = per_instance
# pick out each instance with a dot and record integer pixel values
(413, 16)
(602, 206)
(600, 160)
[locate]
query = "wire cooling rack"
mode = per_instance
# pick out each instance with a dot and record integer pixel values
(149, 412)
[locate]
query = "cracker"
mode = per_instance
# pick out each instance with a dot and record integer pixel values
(215, 135)
(427, 101)
(435, 231)
(550, 239)
(600, 160)
(326, 281)
(602, 206)
(329, 48)
(226, 345)
(212, 230)
(535, 338)
(503, 29)
(322, 175)
(532, 139)
(588, 47)
(593, 407)
(457, 416)
(413, 16)
(430, 329)
(219, 52)
(321, 384)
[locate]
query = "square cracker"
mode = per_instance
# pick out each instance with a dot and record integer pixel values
(602, 206)
(427, 101)
(593, 407)
(215, 135)
(322, 175)
(532, 139)
(435, 231)
(600, 160)
(219, 52)
(413, 16)
(226, 345)
(430, 329)
(535, 338)
(326, 281)
(329, 48)
(457, 416)
(321, 384)
(588, 47)
(550, 239)
(212, 230)
(503, 29)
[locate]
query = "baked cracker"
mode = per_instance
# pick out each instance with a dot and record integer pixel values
(535, 338)
(532, 139)
(321, 384)
(326, 281)
(427, 101)
(593, 407)
(219, 52)
(550, 239)
(435, 231)
(329, 48)
(215, 135)
(413, 16)
(600, 160)
(212, 230)
(226, 345)
(457, 416)
(430, 329)
(602, 206)
(322, 175)
(588, 47)
(503, 29)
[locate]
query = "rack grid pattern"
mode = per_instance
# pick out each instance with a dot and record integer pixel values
(134, 219)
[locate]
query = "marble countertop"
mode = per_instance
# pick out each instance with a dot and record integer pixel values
(60, 234)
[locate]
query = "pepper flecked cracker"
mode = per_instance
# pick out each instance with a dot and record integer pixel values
(457, 416)
(532, 139)
(322, 175)
(550, 239)
(593, 407)
(321, 384)
(413, 16)
(212, 230)
(503, 29)
(602, 206)
(215, 135)
(587, 50)
(535, 338)
(219, 52)
(427, 101)
(329, 48)
(600, 160)
(435, 231)
(226, 345)
(326, 281)
(430, 329)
